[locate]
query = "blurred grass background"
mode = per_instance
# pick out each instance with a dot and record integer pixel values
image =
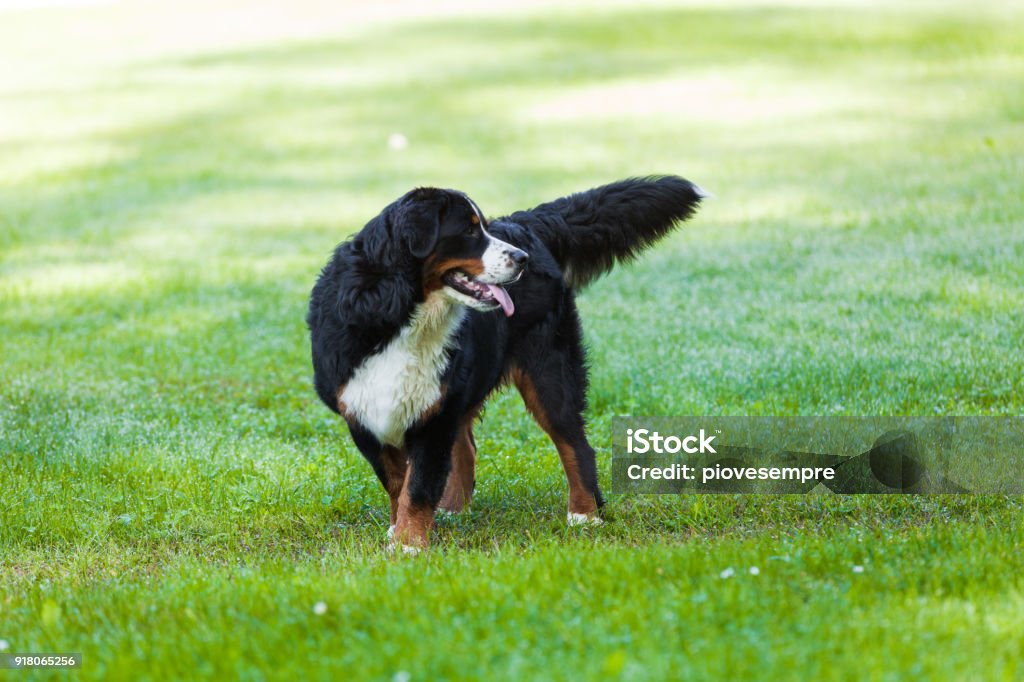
(175, 500)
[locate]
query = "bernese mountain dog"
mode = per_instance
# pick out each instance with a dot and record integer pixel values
(420, 316)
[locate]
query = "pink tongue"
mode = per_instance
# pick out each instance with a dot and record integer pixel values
(501, 296)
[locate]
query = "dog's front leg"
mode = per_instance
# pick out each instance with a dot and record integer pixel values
(429, 449)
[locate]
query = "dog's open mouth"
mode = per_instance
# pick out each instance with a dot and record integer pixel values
(481, 291)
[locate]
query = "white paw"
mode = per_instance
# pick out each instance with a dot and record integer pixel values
(584, 519)
(408, 550)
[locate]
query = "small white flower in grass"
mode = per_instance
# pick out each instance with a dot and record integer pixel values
(320, 608)
(397, 141)
(858, 569)
(754, 570)
(4, 645)
(727, 573)
(401, 676)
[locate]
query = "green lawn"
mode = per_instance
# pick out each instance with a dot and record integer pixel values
(174, 501)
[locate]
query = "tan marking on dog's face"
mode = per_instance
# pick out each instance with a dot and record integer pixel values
(435, 268)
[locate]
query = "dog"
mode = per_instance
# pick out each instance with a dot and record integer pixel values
(421, 315)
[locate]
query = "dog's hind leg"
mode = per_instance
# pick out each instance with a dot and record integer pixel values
(553, 386)
(462, 478)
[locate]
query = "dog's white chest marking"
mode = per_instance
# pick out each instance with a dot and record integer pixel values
(390, 390)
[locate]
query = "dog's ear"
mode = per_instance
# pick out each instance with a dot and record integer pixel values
(417, 219)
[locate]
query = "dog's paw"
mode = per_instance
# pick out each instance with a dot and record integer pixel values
(395, 546)
(576, 519)
(401, 547)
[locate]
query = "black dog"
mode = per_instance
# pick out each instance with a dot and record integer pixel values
(412, 329)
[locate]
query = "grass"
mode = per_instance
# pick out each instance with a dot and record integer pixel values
(174, 499)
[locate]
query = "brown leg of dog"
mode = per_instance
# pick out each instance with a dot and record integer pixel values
(413, 522)
(462, 479)
(566, 432)
(582, 502)
(396, 465)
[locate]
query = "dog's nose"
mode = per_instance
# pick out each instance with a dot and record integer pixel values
(520, 258)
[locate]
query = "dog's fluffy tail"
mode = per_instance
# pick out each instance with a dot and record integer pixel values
(590, 231)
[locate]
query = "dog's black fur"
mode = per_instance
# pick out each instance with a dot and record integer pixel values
(374, 282)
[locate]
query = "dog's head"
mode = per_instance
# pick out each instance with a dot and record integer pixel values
(446, 233)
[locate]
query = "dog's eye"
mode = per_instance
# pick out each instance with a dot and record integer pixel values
(473, 231)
